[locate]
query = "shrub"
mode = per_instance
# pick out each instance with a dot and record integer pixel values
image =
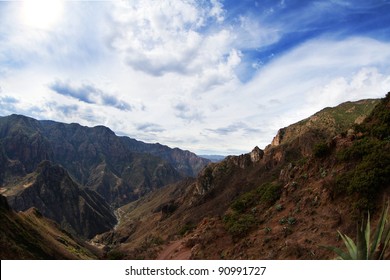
(321, 150)
(115, 254)
(239, 225)
(266, 193)
(270, 192)
(369, 171)
(244, 202)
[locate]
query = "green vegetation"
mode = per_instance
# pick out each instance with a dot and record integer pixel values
(242, 219)
(369, 157)
(266, 193)
(321, 150)
(115, 254)
(370, 174)
(367, 248)
(288, 220)
(239, 225)
(378, 123)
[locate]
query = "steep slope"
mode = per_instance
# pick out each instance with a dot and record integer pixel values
(100, 160)
(118, 168)
(28, 235)
(52, 191)
(280, 203)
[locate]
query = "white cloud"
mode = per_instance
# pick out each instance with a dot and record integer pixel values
(315, 75)
(188, 38)
(175, 64)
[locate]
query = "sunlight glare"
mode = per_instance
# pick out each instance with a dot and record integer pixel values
(41, 14)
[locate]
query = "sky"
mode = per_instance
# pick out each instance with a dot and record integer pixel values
(209, 76)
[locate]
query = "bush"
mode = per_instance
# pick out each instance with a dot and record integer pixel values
(242, 219)
(270, 192)
(361, 148)
(115, 254)
(266, 193)
(244, 202)
(321, 150)
(239, 225)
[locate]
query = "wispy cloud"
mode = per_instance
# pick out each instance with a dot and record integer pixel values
(88, 93)
(188, 112)
(150, 127)
(8, 105)
(240, 127)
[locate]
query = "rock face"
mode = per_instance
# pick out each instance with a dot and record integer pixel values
(277, 140)
(53, 192)
(256, 154)
(118, 168)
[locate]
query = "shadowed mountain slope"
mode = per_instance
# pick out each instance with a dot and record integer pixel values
(118, 168)
(52, 191)
(28, 235)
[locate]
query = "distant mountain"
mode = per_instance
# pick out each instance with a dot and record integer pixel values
(118, 168)
(185, 162)
(29, 235)
(213, 158)
(317, 177)
(78, 175)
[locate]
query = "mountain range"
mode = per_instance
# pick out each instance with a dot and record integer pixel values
(78, 175)
(134, 200)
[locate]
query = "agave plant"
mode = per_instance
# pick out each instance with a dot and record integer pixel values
(367, 247)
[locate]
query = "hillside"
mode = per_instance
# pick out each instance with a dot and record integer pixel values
(28, 235)
(52, 191)
(280, 203)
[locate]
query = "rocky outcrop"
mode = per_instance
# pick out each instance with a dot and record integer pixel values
(256, 154)
(277, 140)
(53, 192)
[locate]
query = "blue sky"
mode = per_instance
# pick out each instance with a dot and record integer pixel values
(210, 76)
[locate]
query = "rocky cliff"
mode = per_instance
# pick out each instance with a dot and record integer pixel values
(52, 191)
